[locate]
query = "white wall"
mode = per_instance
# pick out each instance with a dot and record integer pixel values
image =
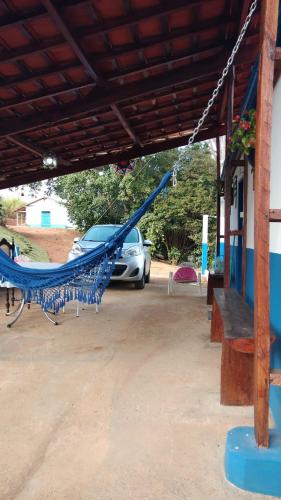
(275, 179)
(250, 218)
(59, 216)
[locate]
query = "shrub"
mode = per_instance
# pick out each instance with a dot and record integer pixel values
(174, 255)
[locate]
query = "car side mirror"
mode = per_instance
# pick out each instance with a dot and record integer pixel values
(75, 240)
(147, 243)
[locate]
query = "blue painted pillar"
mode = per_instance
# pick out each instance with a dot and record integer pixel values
(204, 259)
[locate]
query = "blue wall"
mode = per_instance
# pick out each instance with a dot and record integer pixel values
(236, 268)
(275, 320)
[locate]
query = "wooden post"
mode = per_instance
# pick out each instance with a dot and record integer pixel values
(218, 196)
(230, 100)
(269, 20)
(245, 210)
(227, 183)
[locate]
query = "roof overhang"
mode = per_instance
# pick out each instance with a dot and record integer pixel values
(96, 82)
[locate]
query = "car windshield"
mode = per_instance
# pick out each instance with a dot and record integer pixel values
(102, 233)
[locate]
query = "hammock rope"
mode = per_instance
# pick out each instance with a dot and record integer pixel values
(84, 278)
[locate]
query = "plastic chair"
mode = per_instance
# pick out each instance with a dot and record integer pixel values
(184, 275)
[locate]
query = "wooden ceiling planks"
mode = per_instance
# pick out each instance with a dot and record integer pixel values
(93, 81)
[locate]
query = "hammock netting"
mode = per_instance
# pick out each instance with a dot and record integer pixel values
(84, 278)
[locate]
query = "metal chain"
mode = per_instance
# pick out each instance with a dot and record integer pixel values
(219, 83)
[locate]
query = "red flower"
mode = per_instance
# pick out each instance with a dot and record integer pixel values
(245, 125)
(237, 118)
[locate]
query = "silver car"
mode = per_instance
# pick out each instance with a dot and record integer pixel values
(134, 263)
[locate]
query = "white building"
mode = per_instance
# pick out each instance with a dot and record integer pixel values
(47, 212)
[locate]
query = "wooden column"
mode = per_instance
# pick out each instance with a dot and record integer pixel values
(245, 214)
(218, 195)
(269, 20)
(227, 182)
(230, 100)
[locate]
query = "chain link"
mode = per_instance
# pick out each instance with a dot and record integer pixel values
(220, 82)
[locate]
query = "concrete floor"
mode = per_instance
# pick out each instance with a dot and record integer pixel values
(123, 405)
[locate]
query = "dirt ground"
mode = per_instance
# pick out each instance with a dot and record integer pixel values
(120, 405)
(57, 242)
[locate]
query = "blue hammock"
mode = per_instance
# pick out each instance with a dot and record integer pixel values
(84, 278)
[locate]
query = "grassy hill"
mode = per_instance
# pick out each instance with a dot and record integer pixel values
(28, 248)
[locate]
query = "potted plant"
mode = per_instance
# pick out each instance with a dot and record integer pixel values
(243, 138)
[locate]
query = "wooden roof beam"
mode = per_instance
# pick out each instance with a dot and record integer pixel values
(13, 55)
(105, 26)
(28, 146)
(81, 152)
(89, 67)
(55, 69)
(78, 51)
(200, 29)
(55, 146)
(165, 93)
(245, 10)
(133, 152)
(52, 92)
(32, 148)
(92, 154)
(196, 52)
(150, 137)
(105, 97)
(96, 127)
(33, 14)
(77, 150)
(121, 117)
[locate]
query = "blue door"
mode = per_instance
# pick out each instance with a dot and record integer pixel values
(45, 219)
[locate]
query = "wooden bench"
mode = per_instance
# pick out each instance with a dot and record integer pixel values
(232, 324)
(215, 280)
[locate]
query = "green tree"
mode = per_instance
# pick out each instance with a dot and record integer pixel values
(92, 198)
(9, 206)
(174, 223)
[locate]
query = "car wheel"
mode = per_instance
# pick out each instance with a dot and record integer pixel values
(147, 277)
(139, 285)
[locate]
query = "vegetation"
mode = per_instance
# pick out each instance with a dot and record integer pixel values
(1, 211)
(28, 248)
(9, 205)
(174, 224)
(243, 138)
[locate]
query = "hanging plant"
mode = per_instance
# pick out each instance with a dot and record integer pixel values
(243, 138)
(125, 166)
